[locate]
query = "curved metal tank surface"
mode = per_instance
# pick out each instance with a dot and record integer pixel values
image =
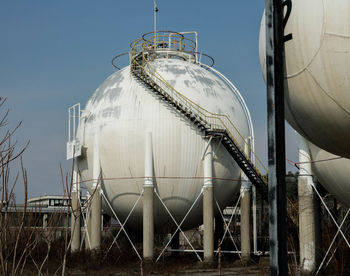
(333, 174)
(122, 110)
(317, 71)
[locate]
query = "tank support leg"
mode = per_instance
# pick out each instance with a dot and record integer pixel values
(245, 222)
(76, 210)
(307, 219)
(148, 201)
(208, 207)
(96, 202)
(88, 223)
(245, 210)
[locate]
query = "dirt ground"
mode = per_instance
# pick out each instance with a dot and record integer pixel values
(171, 265)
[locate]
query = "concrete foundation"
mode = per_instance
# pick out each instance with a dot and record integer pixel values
(208, 207)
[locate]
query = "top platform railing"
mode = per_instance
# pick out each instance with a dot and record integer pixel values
(168, 44)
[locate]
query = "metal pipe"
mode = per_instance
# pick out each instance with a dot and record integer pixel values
(276, 137)
(196, 38)
(74, 112)
(69, 138)
(155, 10)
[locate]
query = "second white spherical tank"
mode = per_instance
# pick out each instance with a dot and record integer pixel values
(122, 111)
(332, 172)
(317, 71)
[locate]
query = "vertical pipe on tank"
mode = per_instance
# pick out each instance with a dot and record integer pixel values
(76, 210)
(96, 202)
(148, 201)
(208, 206)
(307, 219)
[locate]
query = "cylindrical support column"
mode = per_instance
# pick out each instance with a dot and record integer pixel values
(307, 219)
(245, 223)
(96, 206)
(76, 210)
(96, 209)
(208, 207)
(148, 201)
(88, 223)
(245, 210)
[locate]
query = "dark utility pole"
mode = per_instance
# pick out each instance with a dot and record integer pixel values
(276, 136)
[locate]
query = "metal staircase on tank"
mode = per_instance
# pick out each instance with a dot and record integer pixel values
(143, 51)
(175, 45)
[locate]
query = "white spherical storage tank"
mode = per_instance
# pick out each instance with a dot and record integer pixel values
(332, 172)
(120, 114)
(317, 58)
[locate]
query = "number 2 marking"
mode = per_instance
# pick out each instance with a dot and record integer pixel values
(288, 4)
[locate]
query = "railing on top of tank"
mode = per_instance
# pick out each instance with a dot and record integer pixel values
(139, 56)
(162, 41)
(168, 45)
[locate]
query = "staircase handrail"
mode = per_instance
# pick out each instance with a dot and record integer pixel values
(140, 54)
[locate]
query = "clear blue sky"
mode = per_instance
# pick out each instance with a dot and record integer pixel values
(54, 54)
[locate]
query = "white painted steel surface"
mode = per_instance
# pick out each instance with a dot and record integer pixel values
(122, 111)
(307, 212)
(317, 71)
(333, 174)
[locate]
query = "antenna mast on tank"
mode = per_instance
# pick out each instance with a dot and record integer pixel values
(155, 10)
